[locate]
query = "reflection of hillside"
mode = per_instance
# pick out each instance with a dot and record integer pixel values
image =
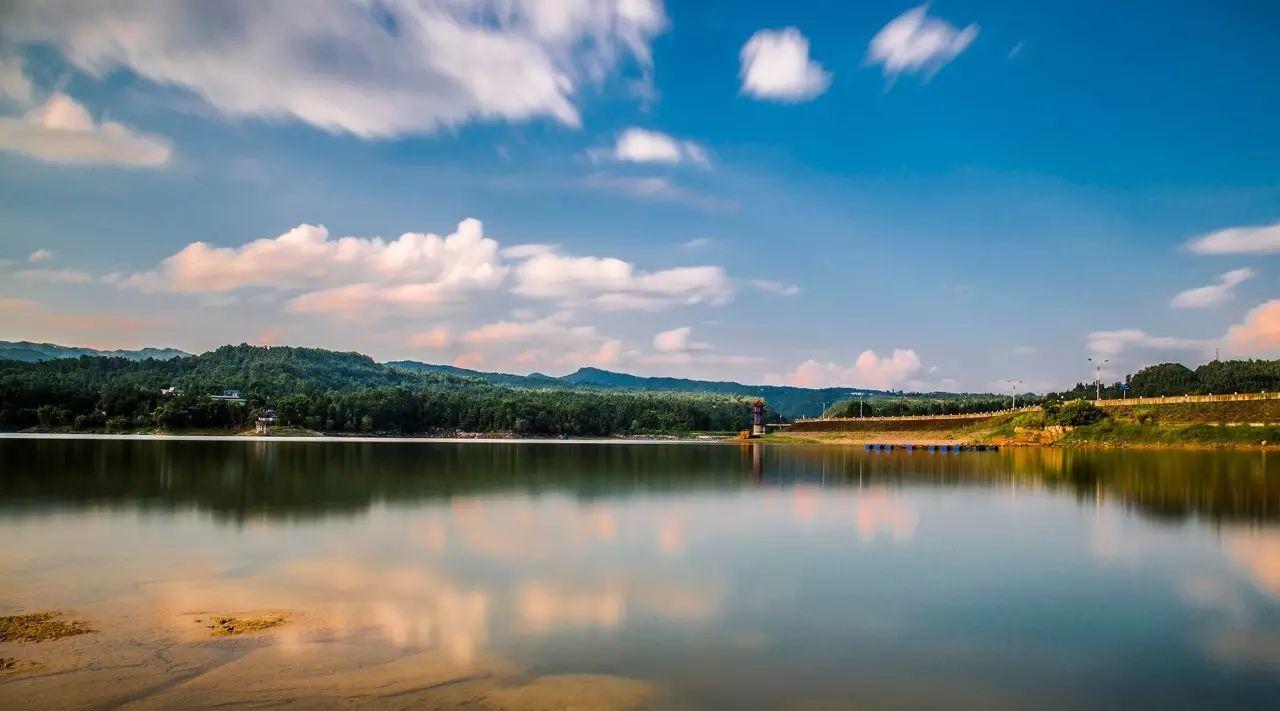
(238, 480)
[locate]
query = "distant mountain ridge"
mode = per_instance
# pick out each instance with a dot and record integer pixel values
(790, 401)
(31, 352)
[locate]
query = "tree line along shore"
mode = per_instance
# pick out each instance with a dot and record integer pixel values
(307, 390)
(312, 391)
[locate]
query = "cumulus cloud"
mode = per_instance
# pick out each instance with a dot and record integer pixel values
(1259, 239)
(613, 284)
(349, 276)
(608, 353)
(869, 371)
(914, 42)
(678, 347)
(40, 255)
(63, 131)
(370, 69)
(1213, 294)
(1114, 343)
(638, 145)
(1260, 331)
(776, 66)
(678, 340)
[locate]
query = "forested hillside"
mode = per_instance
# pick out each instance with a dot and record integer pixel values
(789, 401)
(332, 392)
(1218, 377)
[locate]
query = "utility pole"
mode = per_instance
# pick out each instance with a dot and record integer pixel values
(1097, 380)
(860, 394)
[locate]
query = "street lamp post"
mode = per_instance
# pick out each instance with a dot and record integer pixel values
(1015, 384)
(1097, 380)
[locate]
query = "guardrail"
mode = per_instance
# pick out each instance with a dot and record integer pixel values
(961, 416)
(1175, 399)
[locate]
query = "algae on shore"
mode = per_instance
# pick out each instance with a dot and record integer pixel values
(226, 626)
(39, 627)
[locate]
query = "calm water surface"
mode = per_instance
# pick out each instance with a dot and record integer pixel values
(519, 575)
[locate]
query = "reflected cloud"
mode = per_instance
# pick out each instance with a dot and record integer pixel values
(1258, 552)
(542, 607)
(877, 511)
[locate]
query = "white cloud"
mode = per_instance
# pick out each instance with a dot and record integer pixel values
(549, 328)
(63, 131)
(524, 251)
(14, 84)
(776, 66)
(698, 243)
(1259, 239)
(637, 145)
(654, 188)
(868, 371)
(349, 276)
(1259, 333)
(1024, 350)
(54, 276)
(370, 69)
(780, 288)
(678, 340)
(40, 255)
(613, 284)
(915, 42)
(1114, 343)
(1214, 294)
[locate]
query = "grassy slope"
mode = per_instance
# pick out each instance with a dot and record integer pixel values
(1178, 425)
(1187, 413)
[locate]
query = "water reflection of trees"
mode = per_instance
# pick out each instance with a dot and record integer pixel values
(236, 480)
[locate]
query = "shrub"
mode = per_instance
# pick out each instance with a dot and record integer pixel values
(1029, 420)
(1145, 415)
(1075, 414)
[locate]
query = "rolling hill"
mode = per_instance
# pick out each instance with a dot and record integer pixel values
(29, 352)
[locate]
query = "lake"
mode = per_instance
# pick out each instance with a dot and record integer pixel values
(526, 575)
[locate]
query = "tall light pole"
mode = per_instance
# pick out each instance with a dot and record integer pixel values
(860, 394)
(1097, 380)
(1015, 384)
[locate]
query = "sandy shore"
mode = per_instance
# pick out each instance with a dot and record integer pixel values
(309, 658)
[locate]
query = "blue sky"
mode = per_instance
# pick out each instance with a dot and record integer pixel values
(878, 194)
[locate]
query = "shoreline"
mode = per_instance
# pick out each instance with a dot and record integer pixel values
(772, 440)
(354, 438)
